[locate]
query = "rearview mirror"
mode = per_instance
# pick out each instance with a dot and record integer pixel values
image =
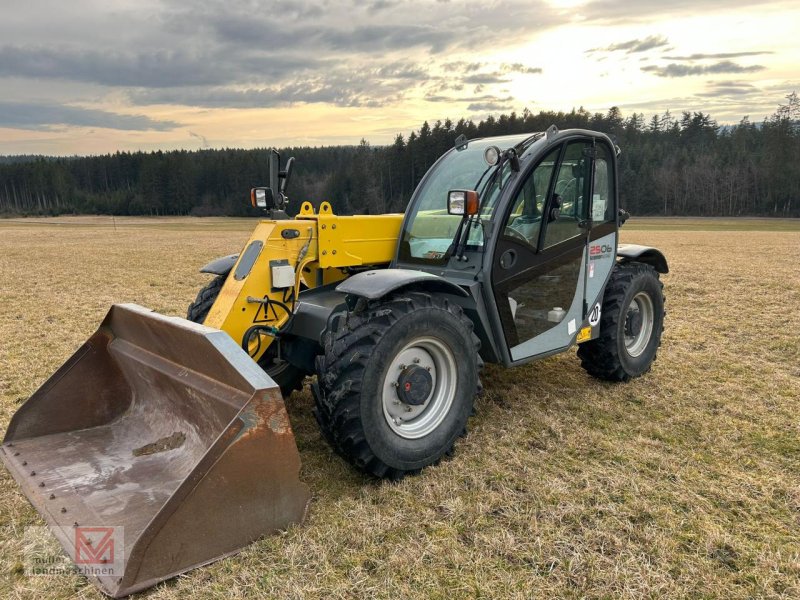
(462, 202)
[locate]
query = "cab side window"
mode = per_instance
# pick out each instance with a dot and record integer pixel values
(569, 196)
(525, 221)
(603, 193)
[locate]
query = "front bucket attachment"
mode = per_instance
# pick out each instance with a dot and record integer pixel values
(166, 431)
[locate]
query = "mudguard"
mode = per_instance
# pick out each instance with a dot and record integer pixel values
(380, 282)
(221, 266)
(644, 254)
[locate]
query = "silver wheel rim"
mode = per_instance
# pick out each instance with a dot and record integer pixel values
(413, 422)
(643, 305)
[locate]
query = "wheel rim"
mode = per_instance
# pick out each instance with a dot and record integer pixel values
(415, 421)
(638, 326)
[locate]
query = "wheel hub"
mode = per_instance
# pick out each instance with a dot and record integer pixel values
(414, 385)
(633, 324)
(639, 321)
(419, 387)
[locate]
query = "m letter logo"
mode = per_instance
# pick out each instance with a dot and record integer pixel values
(94, 545)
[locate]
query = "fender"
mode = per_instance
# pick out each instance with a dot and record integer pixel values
(644, 254)
(380, 282)
(221, 266)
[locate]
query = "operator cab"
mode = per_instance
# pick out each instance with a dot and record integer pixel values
(541, 244)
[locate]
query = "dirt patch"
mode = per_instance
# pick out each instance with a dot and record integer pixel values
(169, 442)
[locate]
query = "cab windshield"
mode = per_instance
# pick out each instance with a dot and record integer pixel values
(430, 230)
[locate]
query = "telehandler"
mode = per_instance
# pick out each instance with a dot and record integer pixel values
(508, 252)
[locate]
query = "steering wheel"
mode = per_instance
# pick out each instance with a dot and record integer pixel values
(513, 233)
(565, 187)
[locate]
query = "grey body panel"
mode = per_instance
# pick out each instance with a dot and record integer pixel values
(644, 254)
(597, 276)
(221, 266)
(376, 284)
(314, 306)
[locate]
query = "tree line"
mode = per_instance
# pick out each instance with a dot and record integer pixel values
(669, 165)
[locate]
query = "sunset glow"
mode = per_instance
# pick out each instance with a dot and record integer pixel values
(93, 77)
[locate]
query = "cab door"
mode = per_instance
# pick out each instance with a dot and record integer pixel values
(539, 263)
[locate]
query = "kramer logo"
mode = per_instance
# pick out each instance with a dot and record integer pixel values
(94, 545)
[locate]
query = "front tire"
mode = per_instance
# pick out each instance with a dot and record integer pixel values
(397, 383)
(286, 375)
(631, 324)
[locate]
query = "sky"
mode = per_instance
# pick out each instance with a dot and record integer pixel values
(97, 76)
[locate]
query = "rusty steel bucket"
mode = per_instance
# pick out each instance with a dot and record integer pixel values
(167, 431)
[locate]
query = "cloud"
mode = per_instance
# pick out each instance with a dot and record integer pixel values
(679, 70)
(730, 88)
(519, 68)
(488, 107)
(485, 78)
(636, 45)
(26, 115)
(457, 99)
(246, 54)
(718, 55)
(338, 87)
(463, 66)
(152, 68)
(648, 11)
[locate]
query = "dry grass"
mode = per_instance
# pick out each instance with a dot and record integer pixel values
(684, 483)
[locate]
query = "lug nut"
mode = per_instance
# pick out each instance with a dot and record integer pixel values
(41, 484)
(63, 510)
(416, 361)
(52, 496)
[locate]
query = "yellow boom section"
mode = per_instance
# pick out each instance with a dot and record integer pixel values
(260, 294)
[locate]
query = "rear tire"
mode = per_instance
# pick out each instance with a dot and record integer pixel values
(397, 383)
(631, 324)
(286, 375)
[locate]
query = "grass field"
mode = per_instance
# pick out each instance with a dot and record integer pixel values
(683, 483)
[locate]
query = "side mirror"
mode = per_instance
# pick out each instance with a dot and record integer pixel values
(462, 202)
(286, 174)
(274, 170)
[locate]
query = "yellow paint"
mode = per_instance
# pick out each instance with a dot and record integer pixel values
(584, 335)
(326, 244)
